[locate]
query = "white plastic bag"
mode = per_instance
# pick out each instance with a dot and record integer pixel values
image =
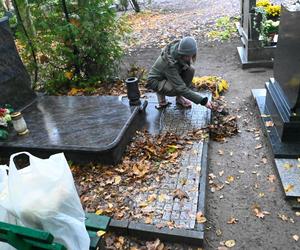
(5, 216)
(43, 196)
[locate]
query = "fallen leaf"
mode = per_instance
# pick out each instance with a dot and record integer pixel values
(264, 160)
(232, 220)
(151, 197)
(183, 181)
(220, 152)
(117, 179)
(289, 188)
(221, 173)
(230, 178)
(100, 233)
(121, 240)
(218, 232)
(99, 212)
(295, 237)
(148, 220)
(261, 194)
(162, 197)
(287, 166)
(180, 194)
(156, 245)
(259, 213)
(230, 243)
(143, 204)
(200, 218)
(258, 146)
(211, 176)
(283, 217)
(269, 124)
(271, 178)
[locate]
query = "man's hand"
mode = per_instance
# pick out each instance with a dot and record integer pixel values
(209, 105)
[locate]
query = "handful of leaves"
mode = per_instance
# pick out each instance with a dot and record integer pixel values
(215, 84)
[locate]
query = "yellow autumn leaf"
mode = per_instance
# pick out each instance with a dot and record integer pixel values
(162, 197)
(287, 166)
(289, 188)
(74, 91)
(230, 178)
(99, 212)
(69, 75)
(148, 220)
(223, 85)
(143, 204)
(230, 243)
(151, 197)
(117, 179)
(100, 233)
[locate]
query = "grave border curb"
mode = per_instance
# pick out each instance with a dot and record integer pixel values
(177, 235)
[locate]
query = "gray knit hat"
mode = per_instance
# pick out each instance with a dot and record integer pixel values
(187, 46)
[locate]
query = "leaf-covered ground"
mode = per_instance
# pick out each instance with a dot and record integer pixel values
(246, 208)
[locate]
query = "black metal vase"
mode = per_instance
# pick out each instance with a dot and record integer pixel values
(133, 92)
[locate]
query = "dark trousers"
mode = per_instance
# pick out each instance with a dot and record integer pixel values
(166, 87)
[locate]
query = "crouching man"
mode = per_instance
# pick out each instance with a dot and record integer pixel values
(172, 74)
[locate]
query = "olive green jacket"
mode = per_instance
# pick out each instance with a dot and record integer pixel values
(169, 66)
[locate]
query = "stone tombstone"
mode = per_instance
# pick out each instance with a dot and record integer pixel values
(252, 53)
(283, 91)
(15, 86)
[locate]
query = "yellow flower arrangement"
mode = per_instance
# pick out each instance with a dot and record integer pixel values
(263, 3)
(273, 10)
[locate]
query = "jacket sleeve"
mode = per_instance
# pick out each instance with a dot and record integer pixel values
(173, 76)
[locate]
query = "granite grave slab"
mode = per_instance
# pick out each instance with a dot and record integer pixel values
(190, 178)
(289, 172)
(85, 128)
(280, 149)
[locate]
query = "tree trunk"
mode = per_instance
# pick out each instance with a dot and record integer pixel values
(135, 5)
(25, 16)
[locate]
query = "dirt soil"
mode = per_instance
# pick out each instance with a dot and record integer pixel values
(250, 172)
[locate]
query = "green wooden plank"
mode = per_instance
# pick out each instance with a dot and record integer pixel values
(96, 222)
(94, 240)
(25, 232)
(45, 246)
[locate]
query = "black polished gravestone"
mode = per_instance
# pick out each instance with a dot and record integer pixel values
(252, 53)
(86, 129)
(280, 102)
(14, 80)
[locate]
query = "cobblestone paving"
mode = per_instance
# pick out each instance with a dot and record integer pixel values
(166, 209)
